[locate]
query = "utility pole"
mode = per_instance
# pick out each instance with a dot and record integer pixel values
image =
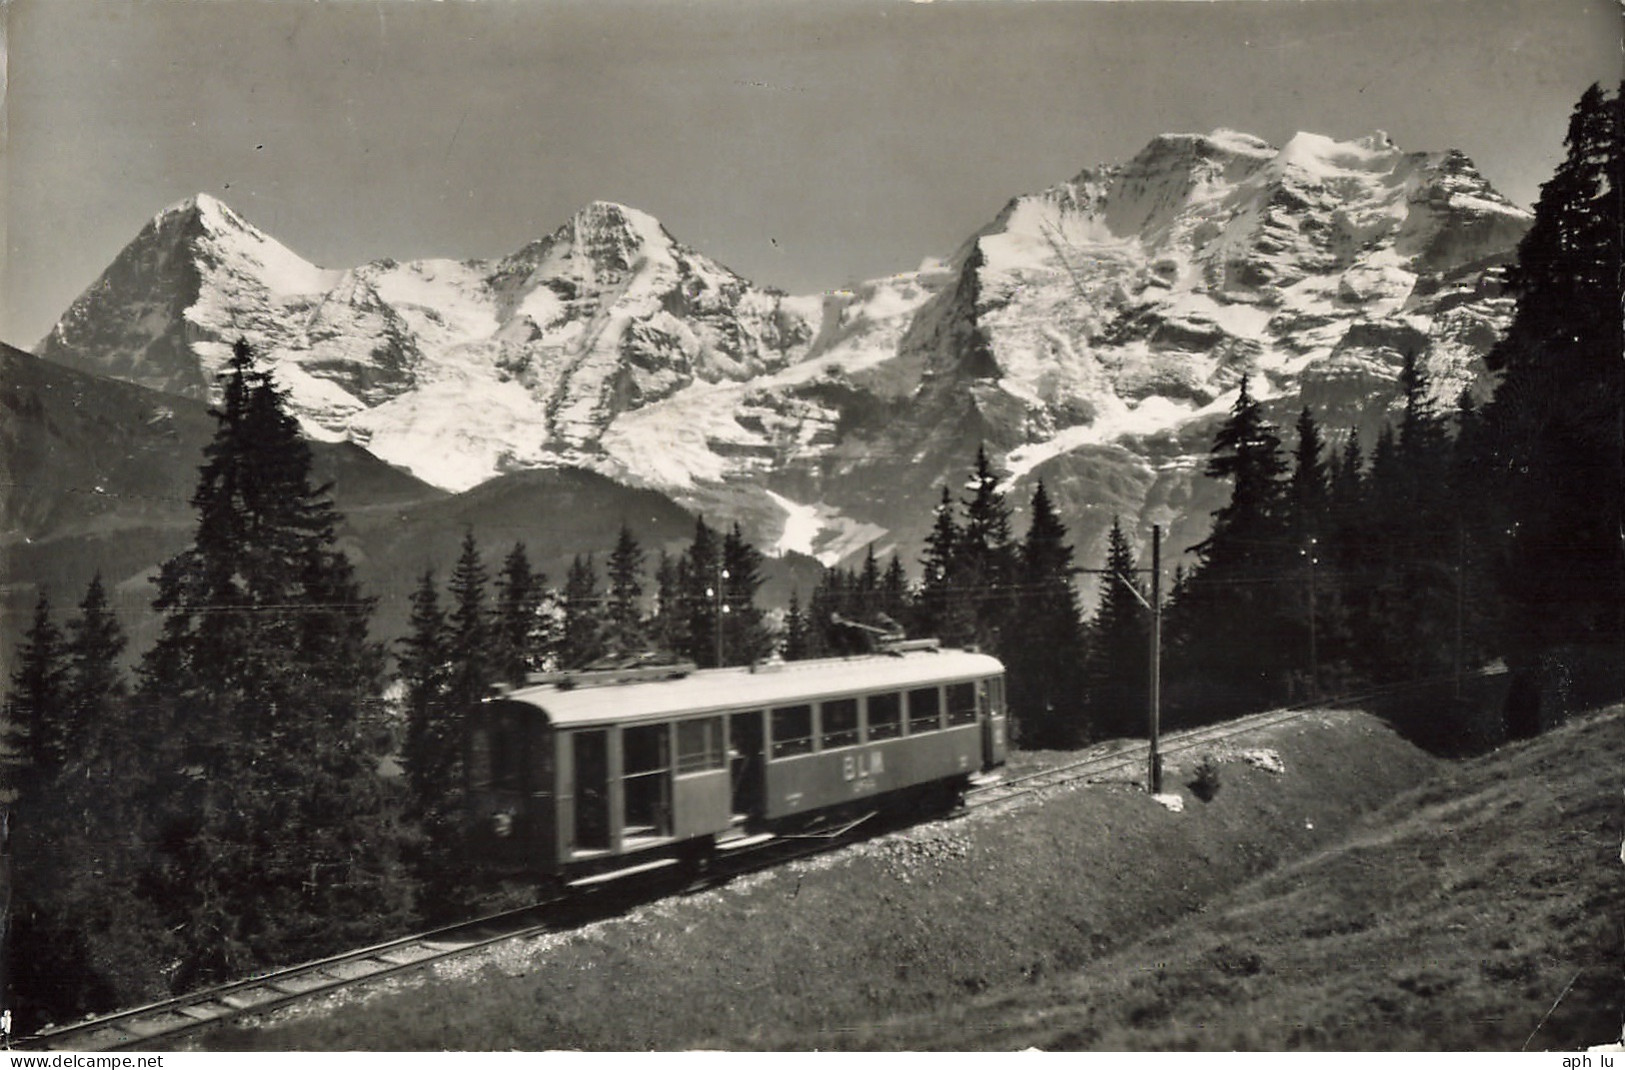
(720, 606)
(1154, 776)
(1154, 760)
(1314, 653)
(1461, 602)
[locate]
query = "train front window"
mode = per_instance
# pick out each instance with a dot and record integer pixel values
(840, 723)
(924, 710)
(792, 731)
(961, 704)
(700, 745)
(885, 716)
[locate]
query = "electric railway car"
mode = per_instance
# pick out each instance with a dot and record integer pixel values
(589, 776)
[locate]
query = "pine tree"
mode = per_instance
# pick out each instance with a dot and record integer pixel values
(583, 639)
(1558, 414)
(746, 637)
(36, 707)
(866, 593)
(941, 606)
(520, 631)
(894, 592)
(1116, 669)
(1246, 451)
(1316, 605)
(1245, 563)
(669, 627)
(1044, 642)
(277, 836)
(701, 593)
(82, 836)
(432, 750)
(625, 632)
(796, 645)
(470, 648)
(1309, 492)
(987, 554)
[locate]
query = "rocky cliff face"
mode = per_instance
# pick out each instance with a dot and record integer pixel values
(1091, 334)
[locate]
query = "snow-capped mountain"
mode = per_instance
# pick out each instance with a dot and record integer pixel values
(458, 370)
(1091, 334)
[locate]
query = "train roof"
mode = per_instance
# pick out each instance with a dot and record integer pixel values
(780, 684)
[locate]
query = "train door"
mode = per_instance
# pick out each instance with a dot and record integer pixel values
(645, 784)
(746, 767)
(994, 723)
(591, 789)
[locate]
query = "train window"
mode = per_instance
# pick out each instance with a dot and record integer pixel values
(645, 761)
(700, 745)
(645, 749)
(885, 716)
(792, 731)
(840, 722)
(961, 704)
(924, 710)
(507, 756)
(995, 696)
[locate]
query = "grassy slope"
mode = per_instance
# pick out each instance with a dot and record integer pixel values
(1453, 919)
(949, 928)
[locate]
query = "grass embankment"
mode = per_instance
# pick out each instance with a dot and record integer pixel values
(1454, 918)
(945, 934)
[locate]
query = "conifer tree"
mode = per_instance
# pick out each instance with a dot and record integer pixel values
(277, 836)
(894, 591)
(432, 749)
(1044, 642)
(624, 628)
(37, 703)
(986, 553)
(82, 836)
(1244, 563)
(669, 627)
(866, 592)
(469, 644)
(94, 685)
(520, 631)
(583, 639)
(1309, 492)
(796, 645)
(701, 591)
(746, 638)
(1556, 416)
(1116, 669)
(941, 604)
(1316, 605)
(829, 598)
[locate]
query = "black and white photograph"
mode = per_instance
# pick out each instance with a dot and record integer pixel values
(812, 525)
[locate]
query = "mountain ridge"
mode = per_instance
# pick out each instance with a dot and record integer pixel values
(1114, 312)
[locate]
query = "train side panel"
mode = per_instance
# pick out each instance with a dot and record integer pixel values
(809, 782)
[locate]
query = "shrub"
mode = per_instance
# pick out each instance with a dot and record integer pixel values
(1205, 784)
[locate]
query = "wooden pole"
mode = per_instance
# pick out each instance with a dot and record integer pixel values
(1155, 772)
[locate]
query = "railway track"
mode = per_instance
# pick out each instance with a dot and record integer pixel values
(173, 1018)
(168, 1020)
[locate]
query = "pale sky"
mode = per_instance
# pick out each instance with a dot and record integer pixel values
(806, 144)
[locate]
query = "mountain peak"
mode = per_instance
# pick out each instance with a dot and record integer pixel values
(209, 211)
(618, 224)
